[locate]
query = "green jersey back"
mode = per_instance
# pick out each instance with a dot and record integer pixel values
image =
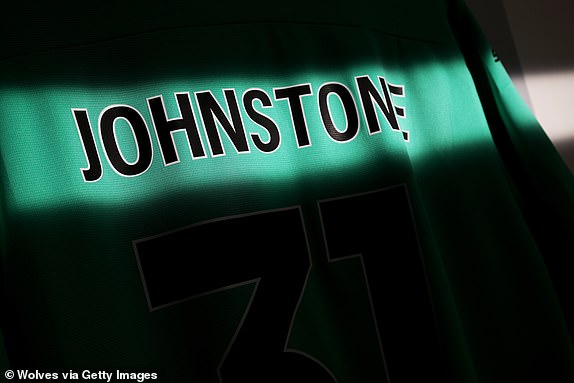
(334, 193)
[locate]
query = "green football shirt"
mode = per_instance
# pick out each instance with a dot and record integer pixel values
(248, 191)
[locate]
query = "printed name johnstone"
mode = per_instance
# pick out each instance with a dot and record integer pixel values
(218, 121)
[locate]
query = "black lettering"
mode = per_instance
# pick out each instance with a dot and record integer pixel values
(351, 114)
(368, 93)
(141, 135)
(94, 170)
(212, 111)
(293, 95)
(261, 120)
(164, 127)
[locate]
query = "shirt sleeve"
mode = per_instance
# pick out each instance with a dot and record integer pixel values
(543, 184)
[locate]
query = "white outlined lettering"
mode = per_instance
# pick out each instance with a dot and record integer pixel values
(254, 106)
(368, 93)
(293, 95)
(212, 113)
(262, 120)
(111, 146)
(349, 107)
(94, 170)
(165, 128)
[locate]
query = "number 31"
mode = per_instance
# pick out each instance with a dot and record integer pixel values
(270, 249)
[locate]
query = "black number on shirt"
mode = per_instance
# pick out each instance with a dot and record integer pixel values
(270, 249)
(379, 228)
